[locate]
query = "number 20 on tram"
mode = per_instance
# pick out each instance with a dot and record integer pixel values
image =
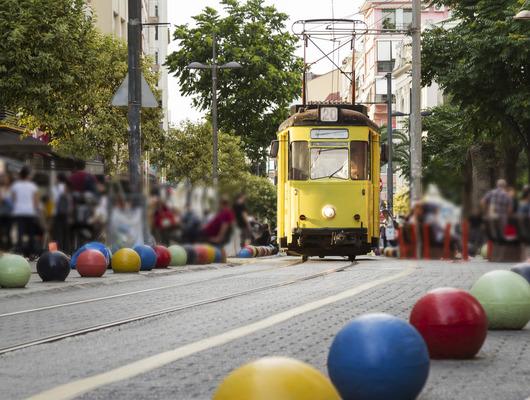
(328, 167)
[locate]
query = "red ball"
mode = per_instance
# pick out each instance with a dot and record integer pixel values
(452, 323)
(91, 263)
(163, 256)
(202, 254)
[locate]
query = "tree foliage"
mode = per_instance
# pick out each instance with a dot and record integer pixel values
(254, 99)
(187, 153)
(60, 74)
(481, 59)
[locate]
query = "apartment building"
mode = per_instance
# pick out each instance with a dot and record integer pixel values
(111, 18)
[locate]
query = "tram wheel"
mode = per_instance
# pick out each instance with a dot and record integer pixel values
(320, 256)
(305, 258)
(351, 258)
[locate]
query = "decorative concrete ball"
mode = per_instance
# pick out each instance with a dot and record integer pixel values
(523, 269)
(53, 266)
(163, 256)
(253, 250)
(505, 296)
(244, 253)
(126, 260)
(202, 254)
(219, 257)
(191, 256)
(378, 357)
(452, 323)
(210, 253)
(179, 256)
(147, 257)
(15, 271)
(92, 246)
(484, 251)
(276, 378)
(91, 264)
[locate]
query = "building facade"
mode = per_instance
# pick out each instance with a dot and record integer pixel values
(111, 18)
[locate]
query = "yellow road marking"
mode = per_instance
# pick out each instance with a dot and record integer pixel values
(76, 388)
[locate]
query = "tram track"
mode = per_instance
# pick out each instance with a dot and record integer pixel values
(115, 296)
(167, 310)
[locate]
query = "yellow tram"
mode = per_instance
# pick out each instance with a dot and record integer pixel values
(328, 166)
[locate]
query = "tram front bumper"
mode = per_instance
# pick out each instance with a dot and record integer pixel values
(330, 241)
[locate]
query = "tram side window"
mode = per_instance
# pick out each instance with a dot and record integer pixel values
(298, 161)
(359, 161)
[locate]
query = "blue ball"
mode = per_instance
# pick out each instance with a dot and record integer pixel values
(218, 255)
(378, 357)
(147, 256)
(245, 253)
(92, 246)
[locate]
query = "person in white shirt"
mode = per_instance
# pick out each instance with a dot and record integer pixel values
(25, 207)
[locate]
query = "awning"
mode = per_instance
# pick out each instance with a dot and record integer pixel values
(13, 141)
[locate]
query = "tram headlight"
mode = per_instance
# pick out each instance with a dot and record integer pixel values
(328, 212)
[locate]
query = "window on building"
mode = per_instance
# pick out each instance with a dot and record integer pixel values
(156, 58)
(381, 91)
(388, 18)
(385, 56)
(407, 18)
(298, 161)
(156, 32)
(156, 10)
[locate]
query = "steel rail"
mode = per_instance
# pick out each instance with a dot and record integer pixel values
(114, 296)
(94, 328)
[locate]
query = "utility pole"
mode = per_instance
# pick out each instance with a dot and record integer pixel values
(415, 107)
(390, 168)
(215, 162)
(134, 38)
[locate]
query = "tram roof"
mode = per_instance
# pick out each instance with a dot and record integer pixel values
(348, 115)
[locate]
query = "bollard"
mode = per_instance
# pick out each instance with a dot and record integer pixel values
(465, 240)
(413, 241)
(426, 242)
(447, 242)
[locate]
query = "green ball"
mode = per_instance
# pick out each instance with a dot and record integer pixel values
(14, 271)
(179, 256)
(505, 296)
(484, 251)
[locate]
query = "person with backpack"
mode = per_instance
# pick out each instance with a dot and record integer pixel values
(6, 208)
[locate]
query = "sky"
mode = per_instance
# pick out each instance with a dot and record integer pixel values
(182, 11)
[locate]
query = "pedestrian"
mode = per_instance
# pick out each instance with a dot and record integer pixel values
(497, 203)
(62, 213)
(524, 204)
(6, 208)
(25, 212)
(218, 230)
(264, 236)
(191, 226)
(513, 195)
(242, 220)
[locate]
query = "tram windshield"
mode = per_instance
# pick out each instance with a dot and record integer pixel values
(329, 163)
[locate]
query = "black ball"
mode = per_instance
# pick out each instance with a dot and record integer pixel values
(191, 254)
(523, 269)
(53, 266)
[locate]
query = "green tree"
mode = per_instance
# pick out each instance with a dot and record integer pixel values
(44, 45)
(481, 60)
(188, 153)
(253, 100)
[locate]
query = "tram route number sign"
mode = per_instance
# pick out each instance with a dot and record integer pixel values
(329, 114)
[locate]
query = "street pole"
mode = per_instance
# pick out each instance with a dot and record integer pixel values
(215, 162)
(134, 37)
(389, 172)
(415, 110)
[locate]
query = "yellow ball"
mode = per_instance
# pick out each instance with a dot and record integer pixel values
(277, 378)
(126, 260)
(210, 251)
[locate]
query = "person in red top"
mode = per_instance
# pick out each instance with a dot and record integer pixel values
(218, 228)
(81, 180)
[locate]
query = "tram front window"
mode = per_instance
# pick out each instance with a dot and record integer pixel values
(329, 163)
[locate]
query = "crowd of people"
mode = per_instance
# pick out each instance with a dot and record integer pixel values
(75, 208)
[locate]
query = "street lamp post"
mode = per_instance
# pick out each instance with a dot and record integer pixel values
(389, 166)
(214, 67)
